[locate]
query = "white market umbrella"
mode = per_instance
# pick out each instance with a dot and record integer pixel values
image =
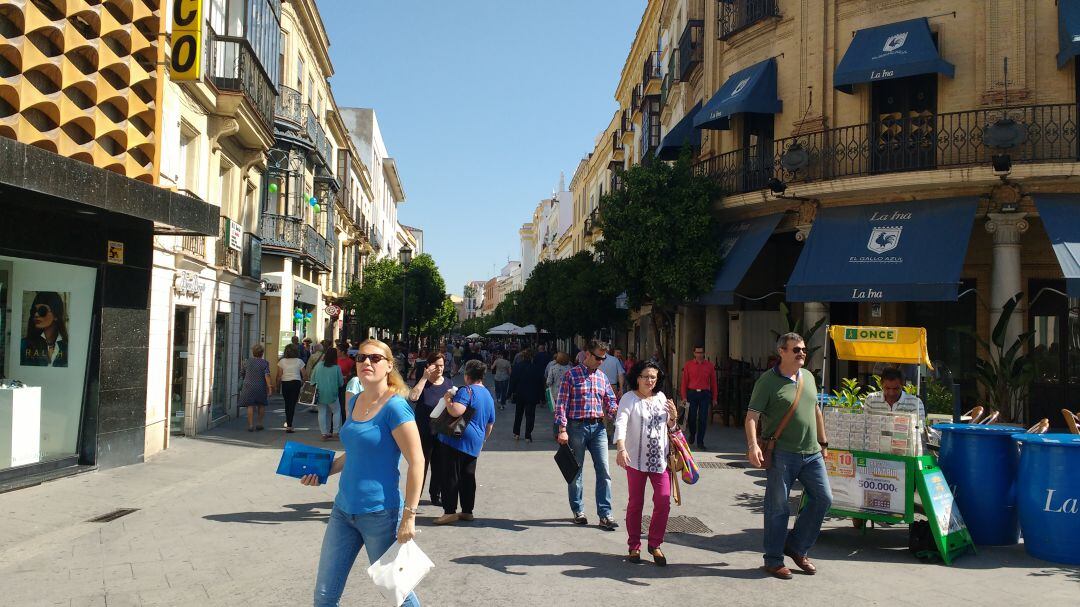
(473, 336)
(507, 328)
(528, 330)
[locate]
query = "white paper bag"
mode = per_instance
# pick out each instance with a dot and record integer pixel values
(399, 570)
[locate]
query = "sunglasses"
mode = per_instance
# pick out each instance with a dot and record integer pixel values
(42, 310)
(599, 358)
(798, 350)
(374, 358)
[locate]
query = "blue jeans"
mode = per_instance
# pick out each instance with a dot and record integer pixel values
(345, 535)
(593, 437)
(697, 418)
(326, 416)
(810, 471)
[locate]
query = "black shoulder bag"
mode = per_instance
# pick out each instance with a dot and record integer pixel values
(452, 426)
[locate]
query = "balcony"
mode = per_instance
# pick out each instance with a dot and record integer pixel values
(737, 15)
(291, 234)
(650, 74)
(226, 257)
(193, 245)
(917, 143)
(635, 99)
(625, 126)
(691, 49)
(297, 120)
(650, 127)
(615, 168)
(616, 142)
(234, 67)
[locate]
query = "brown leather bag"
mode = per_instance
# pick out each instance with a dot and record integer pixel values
(767, 444)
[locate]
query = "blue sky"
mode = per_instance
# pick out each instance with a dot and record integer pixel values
(482, 103)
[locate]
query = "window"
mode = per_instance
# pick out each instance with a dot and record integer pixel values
(300, 76)
(186, 175)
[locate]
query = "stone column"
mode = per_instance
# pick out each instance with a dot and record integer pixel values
(1005, 278)
(814, 311)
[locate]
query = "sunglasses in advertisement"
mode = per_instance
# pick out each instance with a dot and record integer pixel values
(42, 310)
(375, 358)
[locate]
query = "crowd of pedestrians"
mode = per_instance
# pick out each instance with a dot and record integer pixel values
(602, 392)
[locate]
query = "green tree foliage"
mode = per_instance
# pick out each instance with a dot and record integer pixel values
(571, 296)
(659, 238)
(443, 322)
(378, 300)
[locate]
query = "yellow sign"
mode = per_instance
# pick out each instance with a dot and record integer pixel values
(898, 345)
(115, 252)
(187, 40)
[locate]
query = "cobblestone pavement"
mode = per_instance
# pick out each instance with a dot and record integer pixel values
(216, 526)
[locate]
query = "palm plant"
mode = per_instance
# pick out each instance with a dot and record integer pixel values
(1007, 372)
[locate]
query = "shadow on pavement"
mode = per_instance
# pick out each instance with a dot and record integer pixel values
(588, 565)
(508, 524)
(317, 511)
(1072, 573)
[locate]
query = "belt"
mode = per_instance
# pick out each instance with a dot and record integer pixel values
(588, 420)
(699, 389)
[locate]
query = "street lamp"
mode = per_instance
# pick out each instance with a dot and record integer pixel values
(405, 257)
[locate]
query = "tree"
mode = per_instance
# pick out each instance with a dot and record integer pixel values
(378, 301)
(443, 321)
(570, 297)
(659, 238)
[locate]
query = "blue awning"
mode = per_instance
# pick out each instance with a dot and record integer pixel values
(750, 90)
(740, 243)
(896, 50)
(905, 251)
(1068, 31)
(1060, 215)
(683, 133)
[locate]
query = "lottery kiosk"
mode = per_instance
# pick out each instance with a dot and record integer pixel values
(875, 464)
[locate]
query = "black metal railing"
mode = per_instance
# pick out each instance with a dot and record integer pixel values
(226, 257)
(293, 234)
(289, 106)
(615, 168)
(736, 15)
(898, 144)
(635, 98)
(235, 67)
(616, 141)
(193, 245)
(626, 125)
(665, 89)
(691, 48)
(650, 70)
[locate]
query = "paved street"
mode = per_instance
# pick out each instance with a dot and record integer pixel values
(216, 526)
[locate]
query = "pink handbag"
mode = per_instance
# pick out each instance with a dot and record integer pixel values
(685, 460)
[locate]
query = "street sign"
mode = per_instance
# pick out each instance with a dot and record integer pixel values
(332, 311)
(186, 48)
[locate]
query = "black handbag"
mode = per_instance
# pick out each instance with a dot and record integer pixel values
(452, 426)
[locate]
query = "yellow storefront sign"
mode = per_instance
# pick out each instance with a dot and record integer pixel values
(899, 345)
(186, 47)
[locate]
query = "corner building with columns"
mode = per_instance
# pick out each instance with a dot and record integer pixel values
(885, 162)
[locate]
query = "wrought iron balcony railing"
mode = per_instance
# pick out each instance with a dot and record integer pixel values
(291, 233)
(915, 143)
(736, 15)
(651, 68)
(616, 141)
(635, 98)
(226, 257)
(691, 48)
(193, 245)
(234, 67)
(290, 106)
(625, 125)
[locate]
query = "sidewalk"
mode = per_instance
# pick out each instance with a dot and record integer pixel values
(216, 526)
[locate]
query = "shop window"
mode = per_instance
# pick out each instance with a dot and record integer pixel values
(950, 327)
(220, 407)
(46, 310)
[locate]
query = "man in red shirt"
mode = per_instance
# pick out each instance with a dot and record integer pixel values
(698, 388)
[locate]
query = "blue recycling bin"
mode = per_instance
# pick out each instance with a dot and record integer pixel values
(1048, 496)
(980, 462)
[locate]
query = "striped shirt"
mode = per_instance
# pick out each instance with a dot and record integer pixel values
(584, 394)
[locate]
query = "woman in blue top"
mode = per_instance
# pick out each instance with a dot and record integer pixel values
(379, 430)
(457, 456)
(328, 380)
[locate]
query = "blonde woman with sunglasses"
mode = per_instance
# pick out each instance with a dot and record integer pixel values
(369, 509)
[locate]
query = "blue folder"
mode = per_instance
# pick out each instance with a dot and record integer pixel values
(299, 460)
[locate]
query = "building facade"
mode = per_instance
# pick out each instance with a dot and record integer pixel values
(882, 163)
(387, 189)
(81, 98)
(216, 131)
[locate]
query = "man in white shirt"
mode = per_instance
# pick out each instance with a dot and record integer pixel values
(892, 397)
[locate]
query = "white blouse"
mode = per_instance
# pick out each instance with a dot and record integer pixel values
(641, 424)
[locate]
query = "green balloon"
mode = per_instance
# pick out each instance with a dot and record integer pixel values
(273, 188)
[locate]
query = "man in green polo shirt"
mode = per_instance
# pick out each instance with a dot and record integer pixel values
(799, 455)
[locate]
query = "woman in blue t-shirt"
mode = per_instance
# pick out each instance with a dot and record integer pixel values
(457, 456)
(368, 507)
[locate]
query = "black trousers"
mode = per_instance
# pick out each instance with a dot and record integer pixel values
(290, 391)
(529, 411)
(458, 479)
(430, 445)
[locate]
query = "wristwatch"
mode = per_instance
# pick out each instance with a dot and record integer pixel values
(410, 509)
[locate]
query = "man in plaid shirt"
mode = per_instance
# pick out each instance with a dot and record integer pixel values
(585, 398)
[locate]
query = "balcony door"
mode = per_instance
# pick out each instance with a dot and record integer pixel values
(903, 123)
(757, 146)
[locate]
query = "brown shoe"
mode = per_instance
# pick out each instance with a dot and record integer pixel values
(779, 571)
(658, 557)
(446, 519)
(801, 562)
(634, 556)
(465, 516)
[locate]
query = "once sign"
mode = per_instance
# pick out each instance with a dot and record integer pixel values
(186, 61)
